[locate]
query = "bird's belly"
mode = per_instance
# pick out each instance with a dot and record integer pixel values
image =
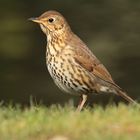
(60, 77)
(69, 79)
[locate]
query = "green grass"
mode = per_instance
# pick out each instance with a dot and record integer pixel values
(42, 123)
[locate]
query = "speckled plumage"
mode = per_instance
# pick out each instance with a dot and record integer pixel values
(73, 67)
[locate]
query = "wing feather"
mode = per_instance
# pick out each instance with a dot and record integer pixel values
(86, 59)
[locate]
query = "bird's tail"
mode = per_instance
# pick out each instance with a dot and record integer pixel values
(125, 96)
(118, 91)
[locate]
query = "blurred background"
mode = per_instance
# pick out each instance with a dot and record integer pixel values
(110, 28)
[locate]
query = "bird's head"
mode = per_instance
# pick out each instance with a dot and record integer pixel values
(51, 22)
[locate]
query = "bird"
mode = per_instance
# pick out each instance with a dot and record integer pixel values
(71, 64)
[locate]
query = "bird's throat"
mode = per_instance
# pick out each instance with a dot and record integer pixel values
(55, 44)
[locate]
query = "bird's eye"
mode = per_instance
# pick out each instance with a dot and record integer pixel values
(51, 20)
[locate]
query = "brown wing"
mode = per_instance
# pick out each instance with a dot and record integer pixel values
(85, 58)
(93, 65)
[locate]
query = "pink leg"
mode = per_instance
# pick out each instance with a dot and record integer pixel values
(82, 102)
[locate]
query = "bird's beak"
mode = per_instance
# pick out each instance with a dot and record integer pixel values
(37, 20)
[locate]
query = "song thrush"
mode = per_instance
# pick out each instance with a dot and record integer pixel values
(73, 67)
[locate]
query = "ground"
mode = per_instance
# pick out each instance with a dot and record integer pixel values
(120, 122)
